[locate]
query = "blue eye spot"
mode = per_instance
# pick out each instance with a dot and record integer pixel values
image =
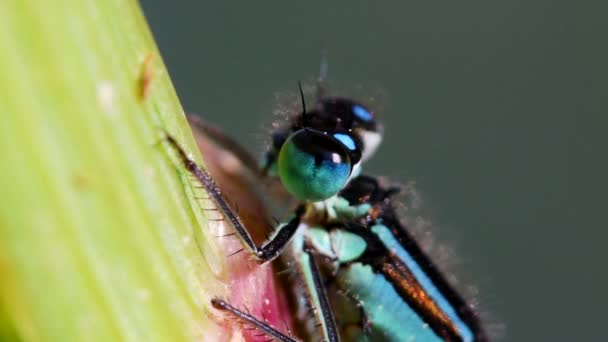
(362, 113)
(346, 140)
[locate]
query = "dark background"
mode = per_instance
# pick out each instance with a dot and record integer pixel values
(497, 109)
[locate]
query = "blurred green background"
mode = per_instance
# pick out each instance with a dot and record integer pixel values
(497, 109)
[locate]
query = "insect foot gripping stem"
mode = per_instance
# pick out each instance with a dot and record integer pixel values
(277, 242)
(250, 287)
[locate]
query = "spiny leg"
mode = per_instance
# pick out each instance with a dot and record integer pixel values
(250, 319)
(320, 302)
(318, 296)
(277, 242)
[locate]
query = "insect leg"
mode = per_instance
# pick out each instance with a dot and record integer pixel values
(316, 288)
(226, 142)
(250, 319)
(270, 249)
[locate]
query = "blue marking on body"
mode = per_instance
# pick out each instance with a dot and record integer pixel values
(391, 318)
(362, 113)
(346, 140)
(391, 243)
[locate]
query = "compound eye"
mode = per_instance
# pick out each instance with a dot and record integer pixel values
(313, 166)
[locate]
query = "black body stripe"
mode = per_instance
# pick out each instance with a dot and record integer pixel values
(367, 189)
(379, 257)
(407, 242)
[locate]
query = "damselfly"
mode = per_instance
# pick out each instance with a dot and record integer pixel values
(357, 268)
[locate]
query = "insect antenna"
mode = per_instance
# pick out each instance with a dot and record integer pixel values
(304, 116)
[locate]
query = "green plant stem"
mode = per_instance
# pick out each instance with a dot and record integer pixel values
(96, 227)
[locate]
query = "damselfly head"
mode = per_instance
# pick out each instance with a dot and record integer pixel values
(323, 147)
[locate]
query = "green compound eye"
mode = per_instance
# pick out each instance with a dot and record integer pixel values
(313, 166)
